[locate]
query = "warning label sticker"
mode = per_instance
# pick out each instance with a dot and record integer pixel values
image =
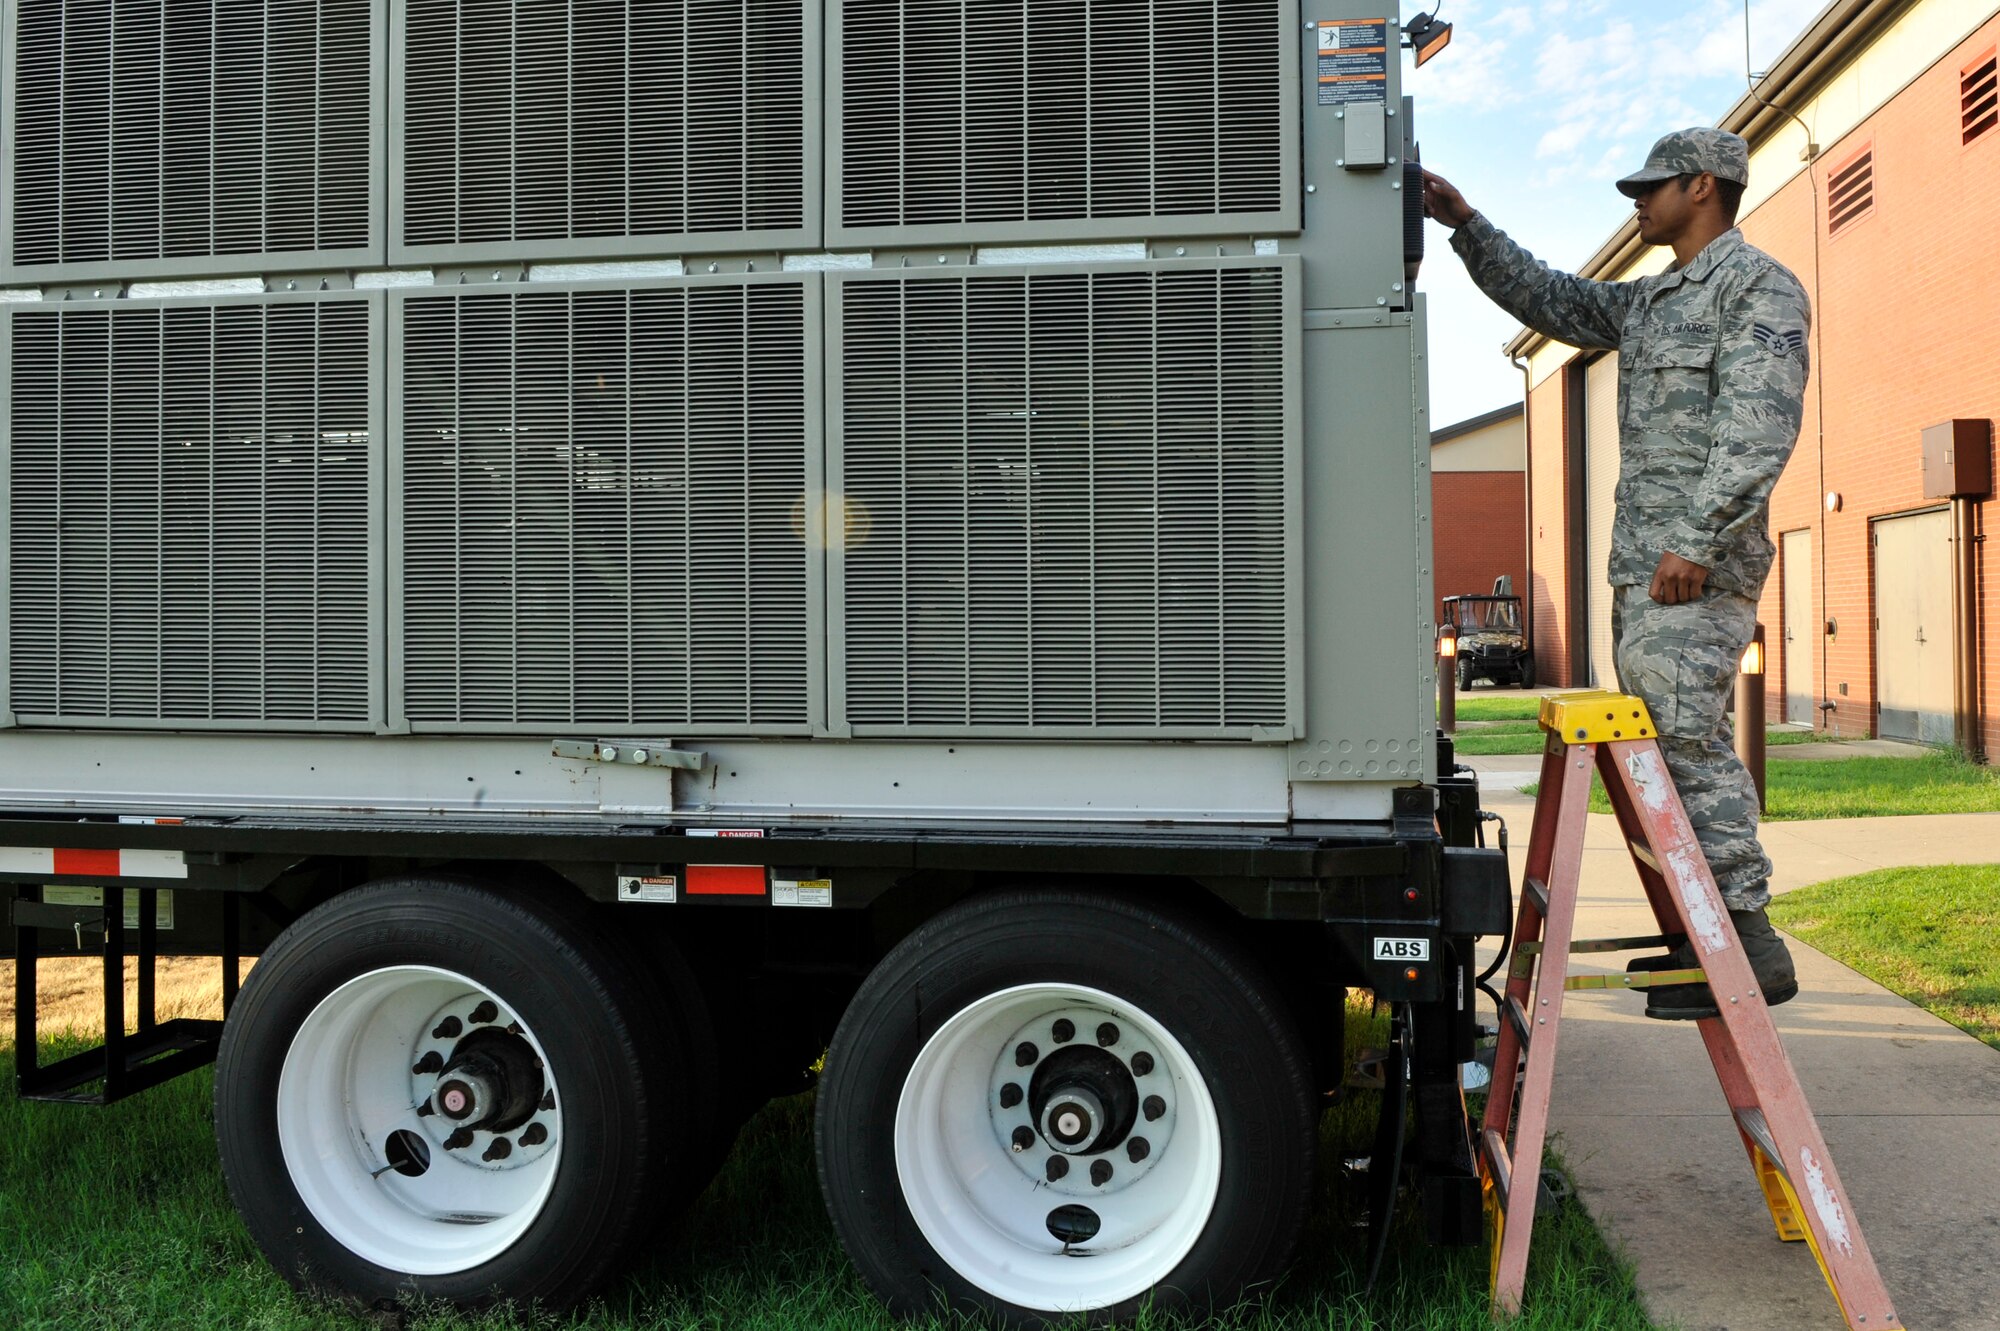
(802, 892)
(163, 904)
(1353, 61)
(658, 887)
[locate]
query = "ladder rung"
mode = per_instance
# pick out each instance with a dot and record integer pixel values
(1537, 892)
(1627, 944)
(1644, 854)
(1498, 1164)
(1518, 1017)
(1640, 980)
(1753, 1123)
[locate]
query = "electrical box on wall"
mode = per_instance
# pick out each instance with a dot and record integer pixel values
(1958, 460)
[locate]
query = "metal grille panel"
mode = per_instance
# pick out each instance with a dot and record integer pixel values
(603, 508)
(600, 120)
(1067, 500)
(190, 514)
(148, 131)
(987, 112)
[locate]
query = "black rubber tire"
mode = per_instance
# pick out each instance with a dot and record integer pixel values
(1464, 676)
(1174, 965)
(1528, 673)
(623, 1074)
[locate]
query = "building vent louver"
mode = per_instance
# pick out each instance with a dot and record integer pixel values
(603, 495)
(561, 128)
(1850, 192)
(221, 136)
(191, 516)
(969, 118)
(1979, 96)
(1065, 501)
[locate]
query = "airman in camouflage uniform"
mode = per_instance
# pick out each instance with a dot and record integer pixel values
(1711, 383)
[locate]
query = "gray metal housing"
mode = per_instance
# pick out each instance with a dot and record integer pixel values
(1092, 610)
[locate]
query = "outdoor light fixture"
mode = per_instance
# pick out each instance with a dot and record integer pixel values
(1750, 713)
(1447, 704)
(1426, 36)
(1447, 641)
(1753, 657)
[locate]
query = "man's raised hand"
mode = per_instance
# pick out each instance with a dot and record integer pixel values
(1443, 202)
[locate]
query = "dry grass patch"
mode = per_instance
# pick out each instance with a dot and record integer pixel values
(70, 992)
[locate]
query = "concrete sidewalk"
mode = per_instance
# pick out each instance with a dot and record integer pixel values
(1909, 1106)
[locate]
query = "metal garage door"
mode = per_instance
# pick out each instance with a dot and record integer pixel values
(1913, 627)
(1600, 472)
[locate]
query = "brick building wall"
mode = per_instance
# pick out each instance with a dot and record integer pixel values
(1905, 318)
(1477, 518)
(1906, 306)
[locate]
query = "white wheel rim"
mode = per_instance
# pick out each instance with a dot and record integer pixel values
(351, 1083)
(985, 1207)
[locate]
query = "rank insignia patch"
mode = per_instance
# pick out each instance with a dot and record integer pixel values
(1777, 343)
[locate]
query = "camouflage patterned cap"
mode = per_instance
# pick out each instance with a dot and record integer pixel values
(1691, 152)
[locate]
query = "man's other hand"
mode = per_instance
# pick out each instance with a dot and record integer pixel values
(1445, 203)
(1677, 580)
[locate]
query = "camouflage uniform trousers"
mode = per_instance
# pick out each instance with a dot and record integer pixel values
(1682, 660)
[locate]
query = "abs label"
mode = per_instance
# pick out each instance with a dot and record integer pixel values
(1402, 949)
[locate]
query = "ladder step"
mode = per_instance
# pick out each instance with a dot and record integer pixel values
(1644, 854)
(1498, 1163)
(1641, 980)
(1754, 1125)
(1538, 892)
(1517, 1017)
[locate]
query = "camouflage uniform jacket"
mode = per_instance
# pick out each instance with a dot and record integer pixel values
(1712, 371)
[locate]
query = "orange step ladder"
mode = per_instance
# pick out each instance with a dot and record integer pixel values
(1613, 735)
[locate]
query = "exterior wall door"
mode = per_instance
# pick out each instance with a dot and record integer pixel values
(1600, 470)
(1913, 627)
(1801, 625)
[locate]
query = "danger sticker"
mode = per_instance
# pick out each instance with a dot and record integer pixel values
(1353, 61)
(655, 887)
(163, 902)
(802, 892)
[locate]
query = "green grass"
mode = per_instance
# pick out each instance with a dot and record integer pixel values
(1799, 789)
(116, 1219)
(1496, 737)
(1929, 934)
(1499, 707)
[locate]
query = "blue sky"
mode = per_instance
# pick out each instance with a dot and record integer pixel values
(1535, 108)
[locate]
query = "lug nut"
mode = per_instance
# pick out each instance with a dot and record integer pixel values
(448, 1029)
(1153, 1106)
(1137, 1149)
(1010, 1095)
(1064, 1030)
(486, 1011)
(1058, 1166)
(1107, 1035)
(549, 1100)
(535, 1135)
(1142, 1063)
(499, 1150)
(1024, 1137)
(424, 1110)
(1100, 1172)
(1025, 1053)
(459, 1140)
(431, 1062)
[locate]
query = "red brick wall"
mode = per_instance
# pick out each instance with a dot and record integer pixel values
(1478, 521)
(1548, 531)
(1905, 321)
(1906, 334)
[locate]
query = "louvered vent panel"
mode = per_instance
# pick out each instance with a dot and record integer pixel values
(1074, 489)
(1006, 111)
(190, 514)
(1979, 97)
(147, 130)
(551, 120)
(1850, 192)
(602, 506)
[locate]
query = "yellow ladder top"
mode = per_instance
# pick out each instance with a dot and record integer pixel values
(1595, 716)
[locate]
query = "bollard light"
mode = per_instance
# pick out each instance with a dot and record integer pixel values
(1447, 679)
(1750, 712)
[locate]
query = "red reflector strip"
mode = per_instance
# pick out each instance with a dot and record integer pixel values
(725, 880)
(101, 863)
